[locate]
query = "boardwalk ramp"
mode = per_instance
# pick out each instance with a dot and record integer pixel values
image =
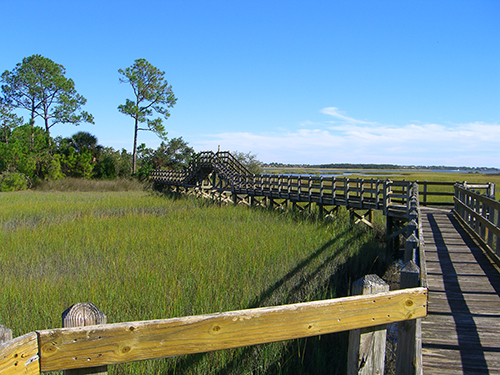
(461, 332)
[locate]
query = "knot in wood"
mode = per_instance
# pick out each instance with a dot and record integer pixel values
(409, 303)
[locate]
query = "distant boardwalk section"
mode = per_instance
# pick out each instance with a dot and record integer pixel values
(220, 176)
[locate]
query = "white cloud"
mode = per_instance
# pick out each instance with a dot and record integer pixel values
(333, 111)
(473, 144)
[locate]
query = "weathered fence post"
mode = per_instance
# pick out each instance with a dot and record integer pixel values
(411, 246)
(367, 346)
(409, 347)
(496, 215)
(5, 334)
(84, 314)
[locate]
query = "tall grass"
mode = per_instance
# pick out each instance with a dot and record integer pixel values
(81, 184)
(140, 256)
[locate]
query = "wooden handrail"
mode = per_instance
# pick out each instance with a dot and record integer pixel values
(90, 346)
(481, 215)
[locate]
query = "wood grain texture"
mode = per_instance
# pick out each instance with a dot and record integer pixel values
(460, 333)
(20, 356)
(126, 342)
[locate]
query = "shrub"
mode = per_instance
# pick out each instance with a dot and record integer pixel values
(13, 181)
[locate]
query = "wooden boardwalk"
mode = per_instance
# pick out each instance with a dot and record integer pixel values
(461, 334)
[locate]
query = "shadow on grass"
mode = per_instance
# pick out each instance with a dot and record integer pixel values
(331, 278)
(315, 355)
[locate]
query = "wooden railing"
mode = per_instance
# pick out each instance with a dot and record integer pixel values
(390, 196)
(481, 214)
(232, 178)
(442, 193)
(107, 344)
(413, 273)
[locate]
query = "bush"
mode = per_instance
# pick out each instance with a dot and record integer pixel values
(13, 181)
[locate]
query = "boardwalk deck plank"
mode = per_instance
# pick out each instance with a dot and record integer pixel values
(460, 334)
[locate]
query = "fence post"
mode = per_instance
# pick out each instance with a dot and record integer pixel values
(496, 214)
(411, 246)
(84, 314)
(411, 228)
(367, 346)
(409, 348)
(424, 203)
(5, 334)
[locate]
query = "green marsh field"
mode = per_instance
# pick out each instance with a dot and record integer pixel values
(139, 255)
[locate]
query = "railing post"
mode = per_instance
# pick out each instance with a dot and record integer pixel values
(425, 193)
(411, 228)
(377, 194)
(456, 206)
(387, 195)
(489, 215)
(366, 353)
(321, 190)
(5, 334)
(409, 348)
(491, 190)
(496, 214)
(334, 189)
(484, 213)
(346, 192)
(309, 191)
(84, 314)
(477, 209)
(411, 245)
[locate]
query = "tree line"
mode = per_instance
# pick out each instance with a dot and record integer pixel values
(28, 153)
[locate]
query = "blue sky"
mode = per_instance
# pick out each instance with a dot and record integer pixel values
(401, 82)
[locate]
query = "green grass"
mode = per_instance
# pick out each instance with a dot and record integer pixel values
(141, 256)
(80, 184)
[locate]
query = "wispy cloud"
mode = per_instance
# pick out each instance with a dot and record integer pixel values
(354, 141)
(334, 111)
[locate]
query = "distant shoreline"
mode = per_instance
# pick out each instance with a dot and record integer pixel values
(332, 168)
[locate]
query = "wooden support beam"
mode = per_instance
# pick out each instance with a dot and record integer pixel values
(331, 213)
(365, 218)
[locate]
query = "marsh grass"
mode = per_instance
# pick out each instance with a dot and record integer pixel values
(80, 184)
(140, 256)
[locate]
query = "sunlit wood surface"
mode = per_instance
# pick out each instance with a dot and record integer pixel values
(461, 334)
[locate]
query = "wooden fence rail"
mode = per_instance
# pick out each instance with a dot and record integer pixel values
(107, 344)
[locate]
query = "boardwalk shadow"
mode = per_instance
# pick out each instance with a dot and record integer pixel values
(481, 258)
(472, 352)
(299, 284)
